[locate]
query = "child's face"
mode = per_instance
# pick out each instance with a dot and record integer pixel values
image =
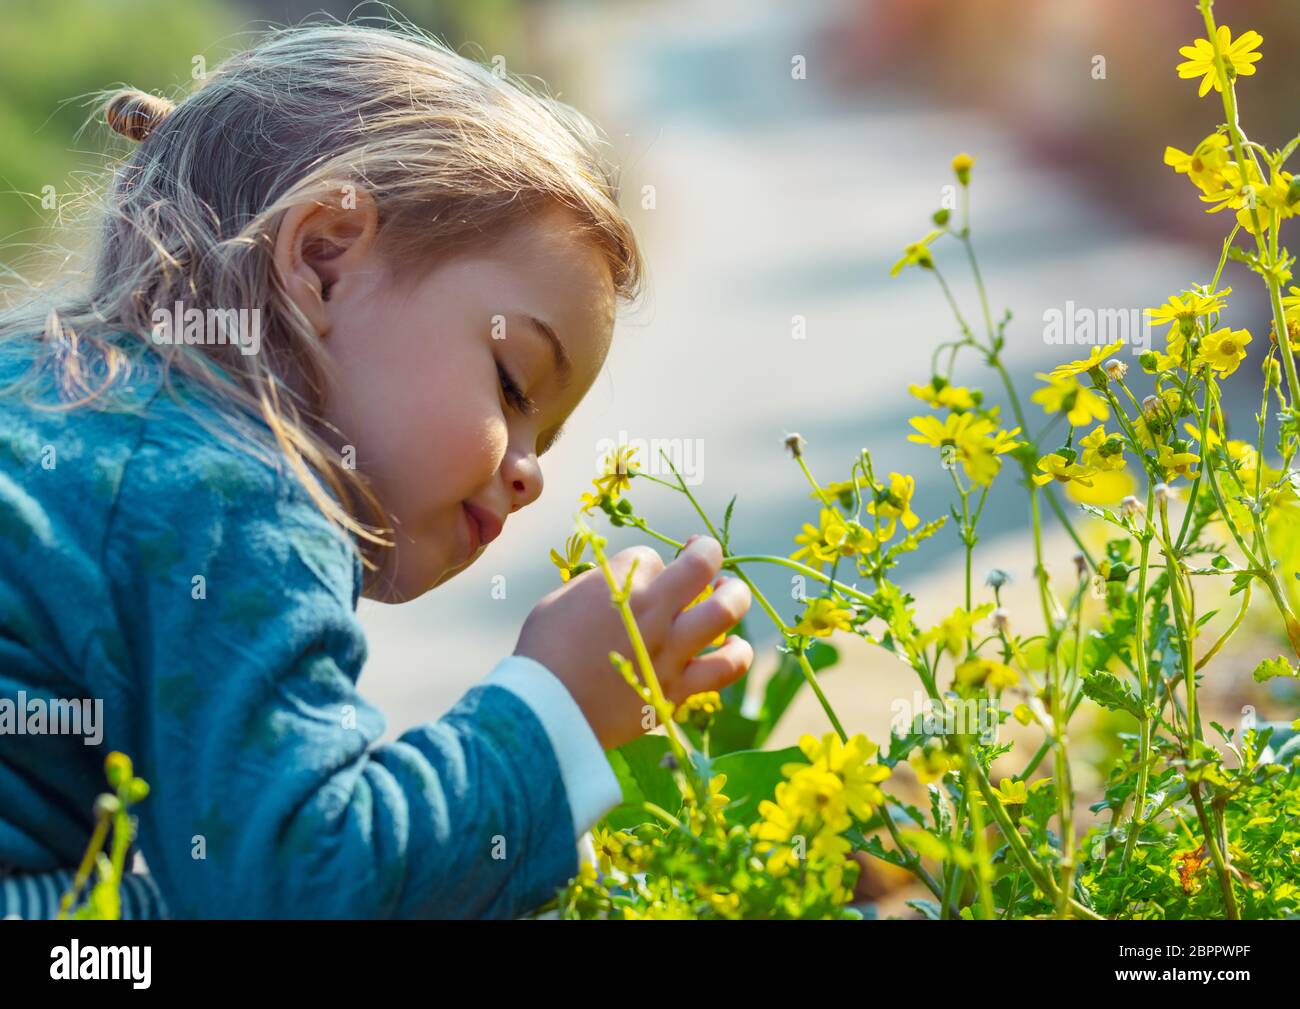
(450, 387)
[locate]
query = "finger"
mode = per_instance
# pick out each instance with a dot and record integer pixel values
(644, 562)
(686, 577)
(701, 624)
(715, 670)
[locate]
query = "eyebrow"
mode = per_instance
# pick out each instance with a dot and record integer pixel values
(562, 363)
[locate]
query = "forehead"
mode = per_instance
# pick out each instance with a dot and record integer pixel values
(560, 274)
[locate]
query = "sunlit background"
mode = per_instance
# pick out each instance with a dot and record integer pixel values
(760, 197)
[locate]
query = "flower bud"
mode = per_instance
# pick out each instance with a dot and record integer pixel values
(996, 578)
(118, 769)
(1272, 373)
(940, 216)
(106, 805)
(961, 165)
(1148, 362)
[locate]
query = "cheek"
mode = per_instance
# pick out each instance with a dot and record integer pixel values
(463, 438)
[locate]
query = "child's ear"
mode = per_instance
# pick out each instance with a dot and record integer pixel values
(320, 245)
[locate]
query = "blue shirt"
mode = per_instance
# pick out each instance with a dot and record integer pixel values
(151, 565)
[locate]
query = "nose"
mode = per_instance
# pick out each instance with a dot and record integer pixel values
(524, 476)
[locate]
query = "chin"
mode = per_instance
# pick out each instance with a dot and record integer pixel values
(401, 587)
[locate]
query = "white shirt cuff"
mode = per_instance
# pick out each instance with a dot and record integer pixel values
(589, 781)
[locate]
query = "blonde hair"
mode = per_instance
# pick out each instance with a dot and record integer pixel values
(452, 153)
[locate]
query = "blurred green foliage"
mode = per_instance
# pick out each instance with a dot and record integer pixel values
(54, 56)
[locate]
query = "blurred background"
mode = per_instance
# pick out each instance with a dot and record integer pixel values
(776, 195)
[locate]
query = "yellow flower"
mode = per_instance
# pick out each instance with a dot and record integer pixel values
(1069, 396)
(858, 539)
(950, 397)
(1211, 436)
(1107, 487)
(1093, 360)
(1246, 458)
(1177, 463)
(897, 502)
(1102, 451)
(1291, 305)
(1224, 349)
(916, 254)
(954, 629)
(618, 468)
(841, 489)
(1239, 58)
(981, 672)
(823, 616)
(1012, 792)
(973, 441)
(613, 850)
(850, 761)
(1058, 467)
(1181, 312)
(820, 544)
(815, 796)
(574, 547)
(930, 766)
(699, 707)
(1239, 190)
(1204, 166)
(1251, 197)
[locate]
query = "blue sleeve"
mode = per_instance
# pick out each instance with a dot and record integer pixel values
(271, 796)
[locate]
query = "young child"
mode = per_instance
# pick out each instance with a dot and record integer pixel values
(189, 511)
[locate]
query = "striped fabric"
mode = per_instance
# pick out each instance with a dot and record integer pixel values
(36, 895)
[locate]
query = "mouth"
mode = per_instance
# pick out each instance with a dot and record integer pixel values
(484, 527)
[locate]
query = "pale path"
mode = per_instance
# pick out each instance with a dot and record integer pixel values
(774, 198)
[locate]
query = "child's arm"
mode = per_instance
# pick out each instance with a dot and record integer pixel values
(270, 795)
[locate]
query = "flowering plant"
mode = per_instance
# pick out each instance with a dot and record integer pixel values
(112, 820)
(1195, 820)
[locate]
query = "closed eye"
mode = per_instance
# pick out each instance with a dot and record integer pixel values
(513, 393)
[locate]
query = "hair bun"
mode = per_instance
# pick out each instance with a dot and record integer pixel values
(135, 114)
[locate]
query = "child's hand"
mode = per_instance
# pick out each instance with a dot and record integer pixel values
(573, 630)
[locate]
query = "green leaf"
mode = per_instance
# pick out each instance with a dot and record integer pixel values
(1107, 691)
(752, 776)
(1271, 668)
(640, 773)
